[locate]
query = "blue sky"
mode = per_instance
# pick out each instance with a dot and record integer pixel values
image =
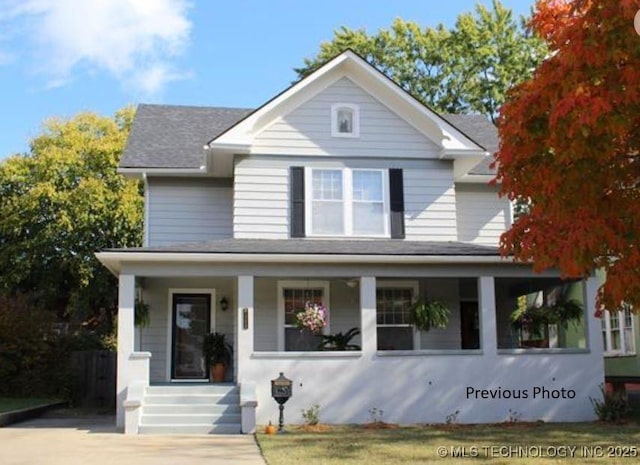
(59, 57)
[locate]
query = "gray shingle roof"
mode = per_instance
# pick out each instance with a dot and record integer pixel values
(482, 131)
(323, 247)
(173, 136)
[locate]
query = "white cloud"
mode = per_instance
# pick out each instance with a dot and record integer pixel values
(136, 41)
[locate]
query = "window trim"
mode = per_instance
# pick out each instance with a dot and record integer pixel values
(406, 284)
(608, 339)
(355, 130)
(300, 284)
(347, 201)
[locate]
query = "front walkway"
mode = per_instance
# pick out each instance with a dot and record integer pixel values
(94, 440)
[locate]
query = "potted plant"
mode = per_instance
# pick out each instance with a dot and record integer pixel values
(312, 318)
(426, 314)
(218, 353)
(339, 341)
(535, 319)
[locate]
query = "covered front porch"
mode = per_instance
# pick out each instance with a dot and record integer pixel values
(477, 365)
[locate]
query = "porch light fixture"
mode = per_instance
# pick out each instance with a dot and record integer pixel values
(224, 304)
(351, 283)
(636, 22)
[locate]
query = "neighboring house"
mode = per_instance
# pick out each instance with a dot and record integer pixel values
(620, 336)
(346, 191)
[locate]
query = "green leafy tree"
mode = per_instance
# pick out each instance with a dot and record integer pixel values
(465, 69)
(59, 204)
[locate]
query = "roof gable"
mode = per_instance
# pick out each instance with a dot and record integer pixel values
(452, 141)
(307, 129)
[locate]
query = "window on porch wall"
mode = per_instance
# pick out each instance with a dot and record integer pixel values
(395, 331)
(530, 295)
(295, 300)
(394, 299)
(618, 332)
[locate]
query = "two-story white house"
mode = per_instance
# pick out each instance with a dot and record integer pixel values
(345, 191)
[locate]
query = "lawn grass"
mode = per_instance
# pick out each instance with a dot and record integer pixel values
(8, 404)
(350, 445)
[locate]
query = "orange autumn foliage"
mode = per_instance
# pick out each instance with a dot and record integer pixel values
(570, 147)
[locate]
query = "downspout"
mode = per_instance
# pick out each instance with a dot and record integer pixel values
(139, 295)
(146, 209)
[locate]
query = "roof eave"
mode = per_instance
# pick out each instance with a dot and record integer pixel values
(142, 171)
(114, 260)
(477, 179)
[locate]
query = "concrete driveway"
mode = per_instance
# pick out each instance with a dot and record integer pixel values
(70, 441)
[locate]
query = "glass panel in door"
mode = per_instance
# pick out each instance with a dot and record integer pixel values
(191, 322)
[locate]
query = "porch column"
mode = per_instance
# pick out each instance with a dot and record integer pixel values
(594, 329)
(244, 328)
(487, 301)
(368, 316)
(126, 297)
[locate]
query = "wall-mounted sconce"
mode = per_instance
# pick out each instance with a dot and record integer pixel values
(224, 304)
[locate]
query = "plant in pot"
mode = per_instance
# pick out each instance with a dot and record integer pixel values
(426, 314)
(339, 341)
(535, 319)
(218, 353)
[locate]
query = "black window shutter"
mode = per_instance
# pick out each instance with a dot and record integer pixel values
(297, 201)
(396, 201)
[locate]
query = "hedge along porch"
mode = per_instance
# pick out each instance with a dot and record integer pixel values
(411, 385)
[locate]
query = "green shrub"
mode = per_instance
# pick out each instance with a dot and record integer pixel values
(311, 416)
(612, 407)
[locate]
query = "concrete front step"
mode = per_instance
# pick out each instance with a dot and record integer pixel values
(196, 399)
(189, 389)
(211, 409)
(191, 409)
(190, 419)
(191, 429)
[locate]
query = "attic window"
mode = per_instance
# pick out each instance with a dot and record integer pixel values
(345, 120)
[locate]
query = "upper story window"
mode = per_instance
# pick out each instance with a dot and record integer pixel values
(347, 202)
(345, 120)
(618, 332)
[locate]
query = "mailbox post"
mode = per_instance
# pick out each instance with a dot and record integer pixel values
(281, 390)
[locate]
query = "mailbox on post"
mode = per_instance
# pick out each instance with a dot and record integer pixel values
(281, 391)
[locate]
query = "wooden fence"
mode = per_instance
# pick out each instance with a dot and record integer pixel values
(94, 379)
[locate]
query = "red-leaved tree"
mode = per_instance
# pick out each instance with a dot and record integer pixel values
(570, 147)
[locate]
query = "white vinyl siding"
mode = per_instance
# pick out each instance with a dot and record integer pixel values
(307, 129)
(188, 210)
(446, 290)
(260, 200)
(429, 203)
(482, 215)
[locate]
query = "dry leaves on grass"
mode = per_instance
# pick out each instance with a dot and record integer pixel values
(318, 428)
(380, 425)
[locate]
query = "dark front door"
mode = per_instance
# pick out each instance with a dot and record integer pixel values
(469, 325)
(191, 322)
